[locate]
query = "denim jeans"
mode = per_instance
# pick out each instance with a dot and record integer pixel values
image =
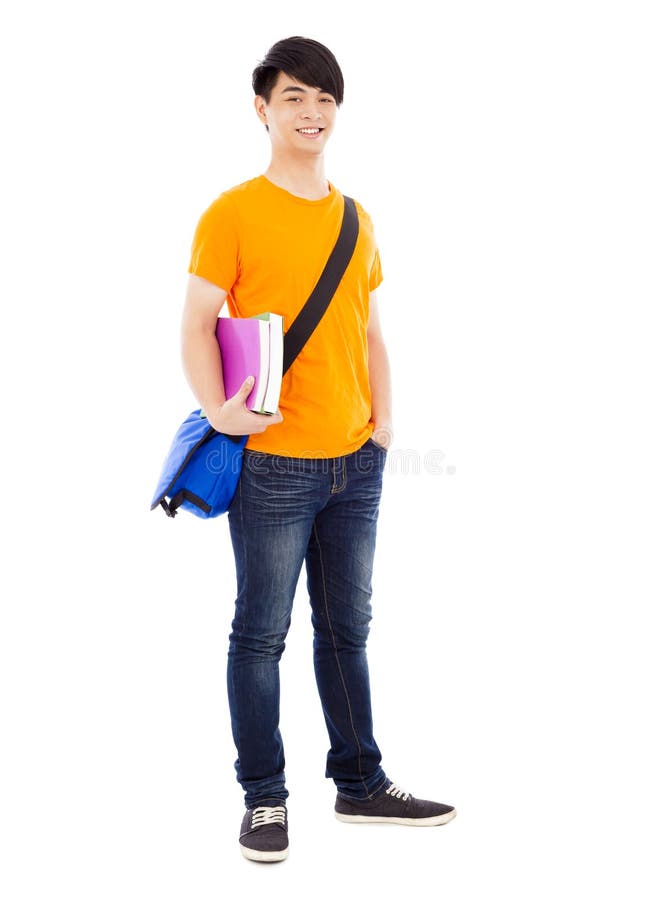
(323, 512)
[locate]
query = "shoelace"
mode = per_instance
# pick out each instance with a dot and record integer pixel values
(397, 792)
(267, 815)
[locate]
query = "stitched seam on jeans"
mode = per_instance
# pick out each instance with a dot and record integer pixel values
(343, 482)
(238, 586)
(243, 544)
(337, 658)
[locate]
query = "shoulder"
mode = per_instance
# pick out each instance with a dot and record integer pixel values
(365, 223)
(232, 198)
(363, 216)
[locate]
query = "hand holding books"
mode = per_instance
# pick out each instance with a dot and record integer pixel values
(234, 417)
(252, 346)
(251, 352)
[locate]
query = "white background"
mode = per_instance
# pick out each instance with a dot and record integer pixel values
(508, 153)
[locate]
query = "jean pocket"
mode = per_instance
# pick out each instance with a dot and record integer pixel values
(380, 447)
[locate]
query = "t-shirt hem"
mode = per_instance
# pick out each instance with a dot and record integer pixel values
(211, 277)
(284, 452)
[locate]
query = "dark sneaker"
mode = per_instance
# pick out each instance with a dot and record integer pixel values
(264, 833)
(394, 806)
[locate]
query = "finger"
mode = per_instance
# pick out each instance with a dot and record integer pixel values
(274, 419)
(243, 392)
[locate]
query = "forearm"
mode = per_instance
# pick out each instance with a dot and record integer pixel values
(380, 386)
(201, 361)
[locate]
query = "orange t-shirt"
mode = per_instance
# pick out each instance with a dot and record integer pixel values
(267, 248)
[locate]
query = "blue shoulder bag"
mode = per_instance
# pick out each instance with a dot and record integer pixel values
(203, 466)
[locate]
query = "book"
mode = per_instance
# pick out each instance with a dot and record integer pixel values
(253, 346)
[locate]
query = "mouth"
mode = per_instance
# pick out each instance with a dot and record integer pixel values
(309, 132)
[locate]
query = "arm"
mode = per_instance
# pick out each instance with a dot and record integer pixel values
(201, 360)
(379, 376)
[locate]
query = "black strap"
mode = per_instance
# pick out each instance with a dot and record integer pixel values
(319, 300)
(174, 504)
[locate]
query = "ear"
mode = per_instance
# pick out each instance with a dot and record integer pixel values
(260, 108)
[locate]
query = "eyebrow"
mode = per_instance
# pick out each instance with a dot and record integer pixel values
(299, 90)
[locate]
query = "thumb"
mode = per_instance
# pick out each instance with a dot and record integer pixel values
(245, 389)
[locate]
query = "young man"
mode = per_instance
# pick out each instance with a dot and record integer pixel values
(311, 481)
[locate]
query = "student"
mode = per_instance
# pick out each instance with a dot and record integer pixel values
(310, 485)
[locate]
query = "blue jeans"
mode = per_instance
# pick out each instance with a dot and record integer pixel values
(324, 512)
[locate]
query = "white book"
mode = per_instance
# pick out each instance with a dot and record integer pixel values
(262, 379)
(276, 344)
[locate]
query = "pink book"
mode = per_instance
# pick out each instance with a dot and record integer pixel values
(240, 344)
(253, 346)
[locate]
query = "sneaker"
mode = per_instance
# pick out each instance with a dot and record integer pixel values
(394, 806)
(263, 834)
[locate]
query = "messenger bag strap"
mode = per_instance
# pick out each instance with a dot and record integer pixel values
(319, 300)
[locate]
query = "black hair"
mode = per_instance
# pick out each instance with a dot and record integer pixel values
(305, 60)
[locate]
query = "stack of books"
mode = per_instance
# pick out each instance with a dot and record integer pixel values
(253, 347)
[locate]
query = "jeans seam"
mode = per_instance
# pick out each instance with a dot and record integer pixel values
(337, 658)
(336, 489)
(243, 542)
(238, 586)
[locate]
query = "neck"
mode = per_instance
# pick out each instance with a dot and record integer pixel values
(303, 177)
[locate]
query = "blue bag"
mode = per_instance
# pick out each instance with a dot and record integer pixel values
(203, 466)
(201, 470)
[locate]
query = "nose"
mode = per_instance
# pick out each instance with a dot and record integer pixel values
(310, 111)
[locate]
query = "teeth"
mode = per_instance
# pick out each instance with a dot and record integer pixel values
(309, 130)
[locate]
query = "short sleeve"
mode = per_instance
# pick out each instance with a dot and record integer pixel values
(215, 250)
(376, 275)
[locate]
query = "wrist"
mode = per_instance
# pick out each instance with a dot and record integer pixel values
(214, 414)
(383, 433)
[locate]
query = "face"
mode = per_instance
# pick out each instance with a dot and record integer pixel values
(300, 118)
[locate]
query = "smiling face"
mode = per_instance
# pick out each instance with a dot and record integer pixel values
(299, 118)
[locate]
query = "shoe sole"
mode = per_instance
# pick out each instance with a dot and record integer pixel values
(393, 820)
(264, 855)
